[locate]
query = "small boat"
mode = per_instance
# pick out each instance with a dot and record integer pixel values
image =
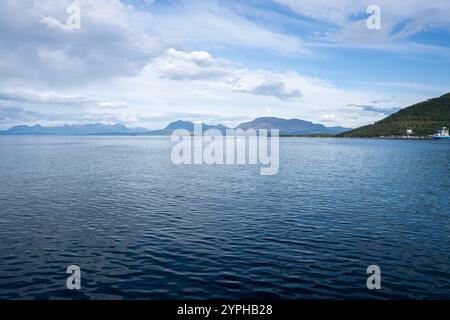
(442, 135)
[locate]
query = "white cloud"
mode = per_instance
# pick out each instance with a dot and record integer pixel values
(383, 110)
(16, 115)
(231, 95)
(48, 98)
(399, 19)
(270, 88)
(328, 117)
(337, 11)
(112, 105)
(342, 11)
(200, 23)
(36, 45)
(53, 23)
(200, 65)
(196, 65)
(30, 96)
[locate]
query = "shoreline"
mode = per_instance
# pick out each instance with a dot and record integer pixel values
(168, 136)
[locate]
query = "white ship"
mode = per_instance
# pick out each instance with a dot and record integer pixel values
(442, 135)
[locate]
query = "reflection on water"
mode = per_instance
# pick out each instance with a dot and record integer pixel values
(141, 227)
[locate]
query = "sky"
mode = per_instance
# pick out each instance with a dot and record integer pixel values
(145, 63)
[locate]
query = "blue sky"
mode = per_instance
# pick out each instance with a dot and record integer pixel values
(146, 63)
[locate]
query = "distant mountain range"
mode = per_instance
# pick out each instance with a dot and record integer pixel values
(186, 125)
(87, 129)
(423, 118)
(286, 127)
(291, 126)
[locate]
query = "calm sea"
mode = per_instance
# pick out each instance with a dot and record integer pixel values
(140, 227)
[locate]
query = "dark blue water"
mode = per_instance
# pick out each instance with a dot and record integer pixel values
(141, 227)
